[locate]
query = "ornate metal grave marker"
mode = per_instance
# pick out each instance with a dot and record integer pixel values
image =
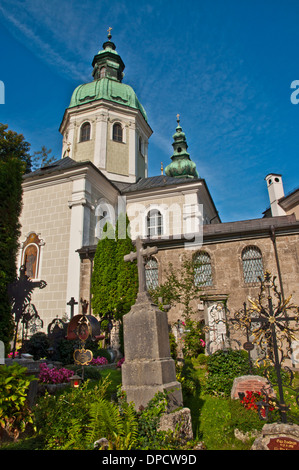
(270, 327)
(20, 292)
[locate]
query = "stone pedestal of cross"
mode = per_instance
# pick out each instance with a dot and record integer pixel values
(148, 367)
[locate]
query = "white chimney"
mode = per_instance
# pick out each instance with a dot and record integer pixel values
(276, 192)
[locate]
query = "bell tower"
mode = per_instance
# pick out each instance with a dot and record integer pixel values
(106, 123)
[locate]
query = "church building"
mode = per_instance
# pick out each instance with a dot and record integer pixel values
(103, 171)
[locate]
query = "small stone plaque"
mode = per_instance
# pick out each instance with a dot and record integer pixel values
(283, 443)
(83, 356)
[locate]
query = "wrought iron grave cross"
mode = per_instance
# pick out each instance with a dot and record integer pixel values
(72, 303)
(140, 254)
(271, 320)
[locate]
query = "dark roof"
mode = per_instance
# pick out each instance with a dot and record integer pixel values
(152, 182)
(62, 164)
(223, 232)
(251, 227)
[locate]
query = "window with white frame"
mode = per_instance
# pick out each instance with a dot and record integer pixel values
(85, 132)
(154, 223)
(117, 132)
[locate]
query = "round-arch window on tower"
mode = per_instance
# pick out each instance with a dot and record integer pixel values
(85, 132)
(117, 134)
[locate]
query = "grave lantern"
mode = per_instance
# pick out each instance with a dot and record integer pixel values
(75, 381)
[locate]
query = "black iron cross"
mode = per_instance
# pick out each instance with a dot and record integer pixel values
(269, 321)
(140, 254)
(72, 303)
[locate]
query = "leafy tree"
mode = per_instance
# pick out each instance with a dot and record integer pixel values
(179, 287)
(42, 158)
(104, 278)
(114, 283)
(13, 145)
(127, 272)
(14, 161)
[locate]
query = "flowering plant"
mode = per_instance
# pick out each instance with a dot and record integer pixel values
(54, 375)
(99, 361)
(120, 362)
(251, 402)
(10, 355)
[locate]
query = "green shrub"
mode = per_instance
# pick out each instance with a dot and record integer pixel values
(15, 413)
(58, 418)
(38, 345)
(223, 367)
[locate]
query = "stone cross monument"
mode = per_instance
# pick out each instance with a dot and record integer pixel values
(148, 367)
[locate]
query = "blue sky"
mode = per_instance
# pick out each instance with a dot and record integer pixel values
(226, 66)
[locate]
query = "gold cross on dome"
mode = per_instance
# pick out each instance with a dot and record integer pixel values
(178, 118)
(109, 31)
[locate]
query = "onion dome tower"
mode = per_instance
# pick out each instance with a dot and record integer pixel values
(105, 122)
(181, 166)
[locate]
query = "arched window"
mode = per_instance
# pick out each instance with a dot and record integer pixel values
(203, 269)
(154, 223)
(117, 133)
(85, 132)
(252, 264)
(151, 273)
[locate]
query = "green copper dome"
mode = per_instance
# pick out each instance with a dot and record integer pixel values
(107, 85)
(181, 166)
(106, 89)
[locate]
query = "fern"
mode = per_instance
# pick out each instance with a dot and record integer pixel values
(118, 426)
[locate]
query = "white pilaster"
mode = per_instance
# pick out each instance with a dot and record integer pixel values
(132, 148)
(100, 151)
(79, 235)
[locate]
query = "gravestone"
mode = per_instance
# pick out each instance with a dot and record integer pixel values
(250, 383)
(148, 366)
(2, 353)
(278, 436)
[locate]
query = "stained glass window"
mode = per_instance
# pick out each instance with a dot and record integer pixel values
(203, 269)
(154, 223)
(151, 273)
(252, 264)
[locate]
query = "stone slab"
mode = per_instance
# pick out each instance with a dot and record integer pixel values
(278, 437)
(180, 419)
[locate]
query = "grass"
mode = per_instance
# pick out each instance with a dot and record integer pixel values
(214, 418)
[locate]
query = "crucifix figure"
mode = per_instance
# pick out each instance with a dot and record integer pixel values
(140, 255)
